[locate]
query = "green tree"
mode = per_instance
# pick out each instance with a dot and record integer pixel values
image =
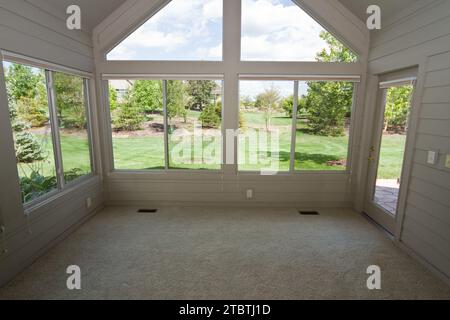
(176, 100)
(27, 94)
(70, 100)
(398, 101)
(288, 105)
(218, 117)
(327, 103)
(201, 92)
(112, 98)
(336, 51)
(21, 81)
(28, 107)
(247, 102)
(147, 95)
(268, 102)
(128, 117)
(32, 111)
(28, 148)
(210, 117)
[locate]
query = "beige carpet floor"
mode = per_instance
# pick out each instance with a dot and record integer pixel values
(201, 253)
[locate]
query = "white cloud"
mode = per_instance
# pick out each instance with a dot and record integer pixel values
(253, 88)
(155, 39)
(276, 31)
(213, 9)
(215, 52)
(181, 30)
(273, 30)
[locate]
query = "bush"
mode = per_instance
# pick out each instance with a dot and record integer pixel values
(32, 111)
(397, 108)
(112, 98)
(70, 101)
(28, 148)
(36, 185)
(288, 105)
(73, 174)
(128, 117)
(147, 94)
(210, 118)
(327, 104)
(216, 119)
(73, 121)
(19, 125)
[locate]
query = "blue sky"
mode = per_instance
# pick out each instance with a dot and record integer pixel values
(183, 30)
(272, 30)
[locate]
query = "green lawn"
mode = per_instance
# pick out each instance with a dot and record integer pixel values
(391, 156)
(75, 154)
(147, 152)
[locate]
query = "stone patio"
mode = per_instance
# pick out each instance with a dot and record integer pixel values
(386, 194)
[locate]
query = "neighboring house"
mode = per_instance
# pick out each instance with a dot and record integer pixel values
(122, 87)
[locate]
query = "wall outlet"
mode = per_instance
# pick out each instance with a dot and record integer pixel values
(432, 157)
(88, 202)
(249, 194)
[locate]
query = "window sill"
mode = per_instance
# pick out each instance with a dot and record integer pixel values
(55, 196)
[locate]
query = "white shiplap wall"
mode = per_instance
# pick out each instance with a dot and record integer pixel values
(197, 187)
(27, 30)
(31, 31)
(421, 36)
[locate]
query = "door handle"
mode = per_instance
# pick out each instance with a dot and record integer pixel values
(371, 150)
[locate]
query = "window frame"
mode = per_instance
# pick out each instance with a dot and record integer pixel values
(231, 67)
(163, 78)
(307, 12)
(148, 18)
(296, 80)
(49, 69)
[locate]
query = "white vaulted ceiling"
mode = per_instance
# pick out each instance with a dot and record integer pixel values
(92, 11)
(388, 7)
(95, 11)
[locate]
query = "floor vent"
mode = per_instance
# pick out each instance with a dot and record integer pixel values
(147, 210)
(309, 213)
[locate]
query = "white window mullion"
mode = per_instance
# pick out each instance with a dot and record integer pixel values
(55, 128)
(166, 125)
(294, 126)
(87, 110)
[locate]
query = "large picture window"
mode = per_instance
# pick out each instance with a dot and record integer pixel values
(279, 30)
(70, 93)
(48, 112)
(323, 121)
(294, 125)
(137, 122)
(182, 30)
(166, 124)
(279, 116)
(265, 128)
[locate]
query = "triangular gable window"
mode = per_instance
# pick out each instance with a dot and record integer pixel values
(279, 30)
(182, 30)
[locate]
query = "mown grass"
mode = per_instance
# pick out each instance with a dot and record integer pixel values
(312, 152)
